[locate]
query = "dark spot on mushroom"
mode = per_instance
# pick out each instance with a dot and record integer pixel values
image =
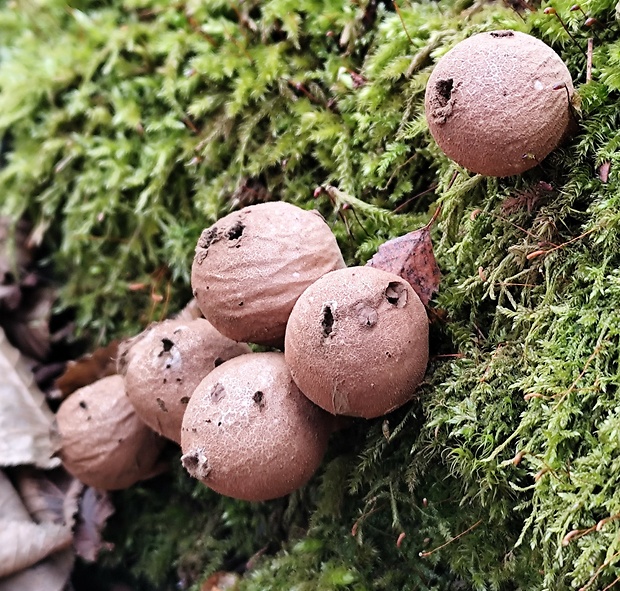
(328, 320)
(241, 303)
(235, 231)
(206, 421)
(88, 418)
(168, 344)
(83, 404)
(388, 354)
(179, 380)
(165, 380)
(217, 393)
(444, 91)
(161, 404)
(499, 34)
(168, 365)
(184, 400)
(396, 294)
(219, 423)
(217, 362)
(259, 399)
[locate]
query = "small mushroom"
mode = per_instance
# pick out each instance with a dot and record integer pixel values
(249, 433)
(104, 443)
(357, 342)
(163, 365)
(252, 265)
(499, 102)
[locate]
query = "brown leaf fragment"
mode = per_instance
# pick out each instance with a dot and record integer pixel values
(411, 257)
(51, 574)
(24, 543)
(603, 171)
(88, 369)
(95, 508)
(27, 432)
(221, 581)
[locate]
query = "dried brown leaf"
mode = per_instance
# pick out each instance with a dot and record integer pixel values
(27, 433)
(51, 574)
(411, 257)
(88, 369)
(24, 543)
(221, 581)
(95, 508)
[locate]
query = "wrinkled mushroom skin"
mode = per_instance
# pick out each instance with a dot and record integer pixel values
(357, 342)
(252, 265)
(249, 433)
(163, 365)
(493, 103)
(104, 443)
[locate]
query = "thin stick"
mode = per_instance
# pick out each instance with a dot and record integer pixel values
(551, 10)
(589, 60)
(400, 16)
(425, 192)
(612, 584)
(427, 554)
(538, 253)
(598, 572)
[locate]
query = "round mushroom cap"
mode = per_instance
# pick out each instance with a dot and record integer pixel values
(104, 443)
(249, 433)
(163, 365)
(499, 102)
(252, 265)
(357, 342)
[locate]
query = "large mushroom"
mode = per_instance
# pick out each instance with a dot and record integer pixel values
(104, 443)
(499, 102)
(163, 365)
(252, 265)
(357, 342)
(249, 433)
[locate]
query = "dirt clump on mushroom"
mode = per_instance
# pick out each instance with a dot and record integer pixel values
(357, 342)
(252, 265)
(499, 102)
(249, 433)
(104, 443)
(163, 365)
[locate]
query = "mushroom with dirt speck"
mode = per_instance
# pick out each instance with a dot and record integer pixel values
(252, 265)
(357, 342)
(163, 365)
(249, 433)
(103, 442)
(499, 102)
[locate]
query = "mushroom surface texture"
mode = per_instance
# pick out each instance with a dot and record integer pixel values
(499, 102)
(252, 265)
(357, 342)
(104, 443)
(163, 365)
(249, 433)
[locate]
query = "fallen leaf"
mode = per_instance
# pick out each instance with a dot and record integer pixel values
(88, 369)
(27, 432)
(24, 543)
(95, 508)
(411, 257)
(603, 171)
(221, 581)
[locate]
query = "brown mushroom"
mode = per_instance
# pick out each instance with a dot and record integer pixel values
(248, 431)
(357, 342)
(104, 444)
(499, 102)
(252, 265)
(163, 365)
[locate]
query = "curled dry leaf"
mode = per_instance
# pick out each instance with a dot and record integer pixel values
(24, 543)
(411, 257)
(88, 369)
(27, 433)
(95, 508)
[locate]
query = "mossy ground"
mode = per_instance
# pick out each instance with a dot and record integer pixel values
(133, 124)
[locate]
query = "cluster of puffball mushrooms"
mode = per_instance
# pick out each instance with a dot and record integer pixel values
(255, 425)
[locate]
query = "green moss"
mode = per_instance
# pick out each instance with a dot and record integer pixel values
(133, 124)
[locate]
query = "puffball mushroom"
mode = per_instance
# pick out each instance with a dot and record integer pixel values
(499, 102)
(104, 443)
(357, 342)
(163, 365)
(252, 265)
(249, 433)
